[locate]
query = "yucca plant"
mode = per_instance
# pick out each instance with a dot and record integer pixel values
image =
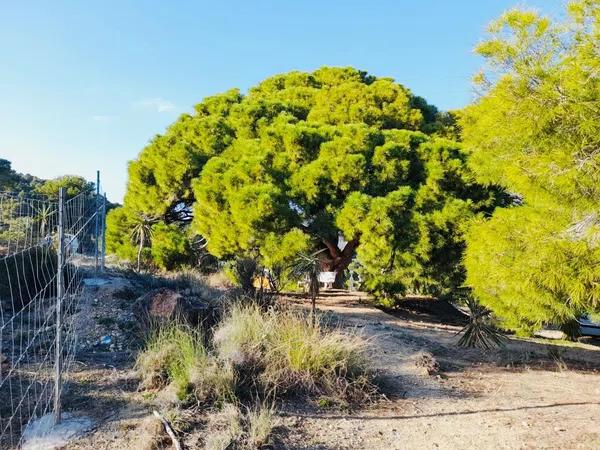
(44, 214)
(479, 333)
(141, 234)
(309, 266)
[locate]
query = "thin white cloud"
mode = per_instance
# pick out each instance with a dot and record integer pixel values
(157, 104)
(103, 118)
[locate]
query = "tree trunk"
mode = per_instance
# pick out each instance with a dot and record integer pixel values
(339, 260)
(314, 309)
(139, 255)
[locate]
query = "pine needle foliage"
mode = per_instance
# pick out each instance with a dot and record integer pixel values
(303, 158)
(536, 131)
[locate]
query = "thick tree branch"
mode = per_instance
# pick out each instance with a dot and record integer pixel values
(349, 248)
(334, 251)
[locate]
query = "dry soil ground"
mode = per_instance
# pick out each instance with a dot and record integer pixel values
(533, 394)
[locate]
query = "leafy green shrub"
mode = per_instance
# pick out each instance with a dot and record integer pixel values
(120, 224)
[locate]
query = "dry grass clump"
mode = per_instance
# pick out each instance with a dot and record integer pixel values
(229, 428)
(287, 351)
(225, 429)
(254, 355)
(150, 435)
(176, 356)
(260, 422)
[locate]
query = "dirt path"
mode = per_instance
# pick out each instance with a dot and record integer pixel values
(531, 395)
(526, 396)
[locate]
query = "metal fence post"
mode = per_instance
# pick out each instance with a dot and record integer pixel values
(60, 288)
(96, 234)
(103, 254)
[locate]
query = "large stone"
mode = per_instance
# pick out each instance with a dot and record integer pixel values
(165, 305)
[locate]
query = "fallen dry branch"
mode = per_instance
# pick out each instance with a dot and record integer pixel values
(169, 430)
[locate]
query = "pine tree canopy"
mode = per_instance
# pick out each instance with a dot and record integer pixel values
(536, 131)
(335, 159)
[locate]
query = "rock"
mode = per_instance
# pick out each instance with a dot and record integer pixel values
(4, 365)
(428, 363)
(164, 305)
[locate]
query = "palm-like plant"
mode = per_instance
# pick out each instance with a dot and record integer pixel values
(479, 332)
(141, 234)
(309, 266)
(44, 213)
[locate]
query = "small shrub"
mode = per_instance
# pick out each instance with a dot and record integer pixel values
(190, 279)
(187, 280)
(241, 273)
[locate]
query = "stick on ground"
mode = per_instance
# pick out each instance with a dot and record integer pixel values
(169, 430)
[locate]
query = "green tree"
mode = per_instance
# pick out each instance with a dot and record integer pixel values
(7, 176)
(125, 230)
(15, 182)
(303, 163)
(170, 246)
(536, 131)
(73, 185)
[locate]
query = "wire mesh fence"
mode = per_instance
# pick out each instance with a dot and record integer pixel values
(46, 247)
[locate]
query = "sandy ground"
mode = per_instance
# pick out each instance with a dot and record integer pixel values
(533, 394)
(530, 395)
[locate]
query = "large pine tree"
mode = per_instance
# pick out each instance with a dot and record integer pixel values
(536, 131)
(336, 160)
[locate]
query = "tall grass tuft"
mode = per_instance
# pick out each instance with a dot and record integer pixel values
(170, 353)
(260, 423)
(226, 429)
(289, 352)
(176, 355)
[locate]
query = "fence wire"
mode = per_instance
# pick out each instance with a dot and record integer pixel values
(30, 358)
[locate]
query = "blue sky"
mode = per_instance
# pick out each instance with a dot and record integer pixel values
(85, 85)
